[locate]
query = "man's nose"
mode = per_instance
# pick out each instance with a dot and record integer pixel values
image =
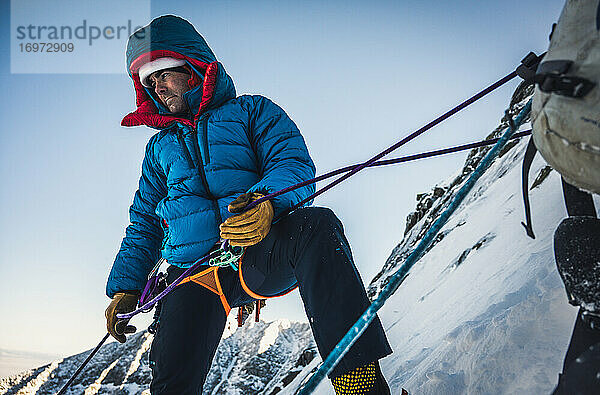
(160, 87)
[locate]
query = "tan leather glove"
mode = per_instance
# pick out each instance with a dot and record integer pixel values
(249, 227)
(122, 302)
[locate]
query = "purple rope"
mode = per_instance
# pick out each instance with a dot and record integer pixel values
(387, 162)
(169, 288)
(444, 151)
(151, 284)
(394, 161)
(149, 289)
(405, 140)
(349, 170)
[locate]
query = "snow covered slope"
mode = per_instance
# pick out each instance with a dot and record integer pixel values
(484, 311)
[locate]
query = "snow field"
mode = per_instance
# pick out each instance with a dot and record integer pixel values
(484, 311)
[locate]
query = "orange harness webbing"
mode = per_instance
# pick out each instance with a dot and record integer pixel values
(209, 279)
(254, 294)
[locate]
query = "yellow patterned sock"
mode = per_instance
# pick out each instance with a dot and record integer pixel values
(358, 381)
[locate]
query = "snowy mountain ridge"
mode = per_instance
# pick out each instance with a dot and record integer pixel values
(276, 353)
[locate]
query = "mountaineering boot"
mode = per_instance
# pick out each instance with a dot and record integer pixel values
(577, 253)
(364, 380)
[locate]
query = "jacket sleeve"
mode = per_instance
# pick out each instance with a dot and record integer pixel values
(141, 245)
(281, 152)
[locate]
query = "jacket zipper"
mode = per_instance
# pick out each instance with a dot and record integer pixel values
(186, 152)
(201, 161)
(205, 140)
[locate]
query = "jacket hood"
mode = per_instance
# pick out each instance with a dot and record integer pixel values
(175, 37)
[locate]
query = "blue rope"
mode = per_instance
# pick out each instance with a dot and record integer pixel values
(397, 278)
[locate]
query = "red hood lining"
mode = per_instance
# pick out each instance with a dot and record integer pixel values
(147, 112)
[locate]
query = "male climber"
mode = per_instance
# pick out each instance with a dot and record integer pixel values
(213, 154)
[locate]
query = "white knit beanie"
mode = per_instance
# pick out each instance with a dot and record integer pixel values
(158, 64)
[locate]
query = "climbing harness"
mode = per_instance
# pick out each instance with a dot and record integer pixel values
(225, 256)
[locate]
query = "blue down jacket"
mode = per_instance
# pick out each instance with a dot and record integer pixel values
(194, 167)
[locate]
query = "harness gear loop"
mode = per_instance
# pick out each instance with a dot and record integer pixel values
(245, 311)
(259, 304)
(240, 317)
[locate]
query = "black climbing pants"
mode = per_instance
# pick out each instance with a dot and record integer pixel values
(308, 249)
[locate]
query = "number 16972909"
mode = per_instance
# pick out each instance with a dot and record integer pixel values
(46, 47)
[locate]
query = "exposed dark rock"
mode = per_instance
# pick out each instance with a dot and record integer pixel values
(541, 177)
(431, 204)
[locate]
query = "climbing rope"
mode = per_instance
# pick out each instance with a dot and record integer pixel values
(524, 70)
(403, 159)
(355, 169)
(398, 277)
(400, 143)
(157, 283)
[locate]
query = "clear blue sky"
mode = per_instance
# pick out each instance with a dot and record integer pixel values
(355, 76)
